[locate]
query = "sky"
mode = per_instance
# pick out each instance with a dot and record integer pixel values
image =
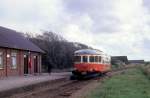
(117, 27)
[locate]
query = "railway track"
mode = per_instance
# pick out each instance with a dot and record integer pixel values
(64, 88)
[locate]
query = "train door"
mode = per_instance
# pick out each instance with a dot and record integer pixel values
(26, 64)
(35, 64)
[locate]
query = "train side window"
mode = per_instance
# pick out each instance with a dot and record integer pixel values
(99, 59)
(96, 58)
(85, 59)
(91, 59)
(77, 58)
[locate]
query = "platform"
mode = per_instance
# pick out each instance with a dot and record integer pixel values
(13, 83)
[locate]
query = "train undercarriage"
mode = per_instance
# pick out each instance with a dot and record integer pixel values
(77, 75)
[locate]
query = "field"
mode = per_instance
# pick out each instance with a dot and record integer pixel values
(130, 84)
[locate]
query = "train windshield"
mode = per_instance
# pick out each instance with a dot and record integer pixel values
(99, 58)
(77, 58)
(85, 59)
(96, 58)
(91, 59)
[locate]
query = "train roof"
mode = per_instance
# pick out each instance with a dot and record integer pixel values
(88, 52)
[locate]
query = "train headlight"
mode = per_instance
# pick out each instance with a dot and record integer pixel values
(74, 68)
(91, 69)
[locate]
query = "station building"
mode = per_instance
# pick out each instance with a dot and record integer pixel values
(18, 56)
(123, 60)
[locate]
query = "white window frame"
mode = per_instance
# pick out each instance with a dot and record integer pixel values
(1, 56)
(87, 59)
(88, 56)
(14, 65)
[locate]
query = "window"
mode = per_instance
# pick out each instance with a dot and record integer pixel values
(85, 59)
(14, 60)
(96, 58)
(99, 59)
(77, 58)
(91, 58)
(1, 60)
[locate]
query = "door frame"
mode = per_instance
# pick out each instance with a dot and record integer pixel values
(35, 64)
(26, 64)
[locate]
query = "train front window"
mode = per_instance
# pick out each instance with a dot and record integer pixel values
(85, 59)
(77, 58)
(91, 58)
(99, 59)
(96, 58)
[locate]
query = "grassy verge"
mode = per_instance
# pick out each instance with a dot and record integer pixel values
(131, 84)
(145, 69)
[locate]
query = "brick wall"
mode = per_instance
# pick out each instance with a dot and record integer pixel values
(19, 71)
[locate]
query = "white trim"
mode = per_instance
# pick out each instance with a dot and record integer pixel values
(81, 59)
(88, 58)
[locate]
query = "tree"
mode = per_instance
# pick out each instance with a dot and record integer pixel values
(59, 53)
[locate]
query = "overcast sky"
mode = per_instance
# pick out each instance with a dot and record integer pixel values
(118, 27)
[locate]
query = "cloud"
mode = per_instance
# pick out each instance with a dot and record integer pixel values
(29, 15)
(118, 27)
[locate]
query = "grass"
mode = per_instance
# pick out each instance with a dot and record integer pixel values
(146, 70)
(131, 84)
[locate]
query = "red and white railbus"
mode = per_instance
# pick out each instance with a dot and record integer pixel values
(91, 61)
